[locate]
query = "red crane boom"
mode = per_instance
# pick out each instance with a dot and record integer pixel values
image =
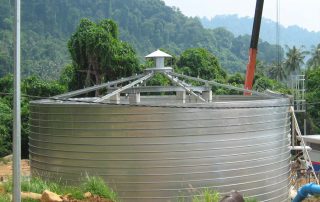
(253, 46)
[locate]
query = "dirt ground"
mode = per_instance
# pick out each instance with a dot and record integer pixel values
(6, 168)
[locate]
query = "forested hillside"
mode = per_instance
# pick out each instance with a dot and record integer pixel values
(291, 36)
(146, 24)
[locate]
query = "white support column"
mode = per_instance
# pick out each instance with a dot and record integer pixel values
(16, 192)
(160, 62)
(115, 98)
(181, 95)
(207, 95)
(134, 98)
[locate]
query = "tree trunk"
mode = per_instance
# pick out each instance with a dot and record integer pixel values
(87, 81)
(98, 81)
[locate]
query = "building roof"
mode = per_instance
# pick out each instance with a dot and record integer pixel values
(158, 54)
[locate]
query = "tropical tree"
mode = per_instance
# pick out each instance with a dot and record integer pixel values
(314, 61)
(98, 55)
(236, 79)
(264, 83)
(261, 68)
(294, 60)
(313, 97)
(5, 128)
(277, 72)
(199, 62)
(35, 88)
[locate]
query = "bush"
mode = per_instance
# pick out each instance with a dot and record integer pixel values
(97, 186)
(207, 196)
(32, 86)
(5, 128)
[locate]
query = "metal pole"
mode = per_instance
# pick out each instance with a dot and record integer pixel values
(17, 110)
(304, 125)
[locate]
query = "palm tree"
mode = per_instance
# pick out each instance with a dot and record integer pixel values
(277, 72)
(294, 61)
(314, 61)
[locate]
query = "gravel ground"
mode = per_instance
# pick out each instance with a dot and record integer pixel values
(6, 168)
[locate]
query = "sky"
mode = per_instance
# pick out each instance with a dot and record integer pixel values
(304, 13)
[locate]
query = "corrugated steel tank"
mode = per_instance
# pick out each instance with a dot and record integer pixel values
(161, 150)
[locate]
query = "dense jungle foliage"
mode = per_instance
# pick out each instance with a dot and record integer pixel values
(146, 24)
(63, 51)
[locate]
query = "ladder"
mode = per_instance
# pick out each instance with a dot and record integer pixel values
(296, 133)
(298, 87)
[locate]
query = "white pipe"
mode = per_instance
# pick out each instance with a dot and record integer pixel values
(17, 111)
(300, 148)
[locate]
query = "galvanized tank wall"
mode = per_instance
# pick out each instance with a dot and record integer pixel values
(164, 153)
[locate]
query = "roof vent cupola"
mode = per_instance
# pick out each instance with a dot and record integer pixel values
(159, 57)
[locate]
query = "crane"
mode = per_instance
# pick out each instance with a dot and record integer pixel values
(253, 46)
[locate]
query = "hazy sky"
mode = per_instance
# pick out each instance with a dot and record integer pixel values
(305, 13)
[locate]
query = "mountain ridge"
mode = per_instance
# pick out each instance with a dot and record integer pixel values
(291, 35)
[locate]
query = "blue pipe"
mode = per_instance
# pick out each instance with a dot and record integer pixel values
(305, 190)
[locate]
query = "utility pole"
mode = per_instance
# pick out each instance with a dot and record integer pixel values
(17, 110)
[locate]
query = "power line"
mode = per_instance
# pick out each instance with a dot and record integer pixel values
(278, 33)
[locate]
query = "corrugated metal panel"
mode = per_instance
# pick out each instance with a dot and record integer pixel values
(164, 153)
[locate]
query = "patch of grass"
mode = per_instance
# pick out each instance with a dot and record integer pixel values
(246, 199)
(207, 195)
(94, 185)
(76, 192)
(4, 198)
(8, 186)
(98, 187)
(37, 185)
(29, 200)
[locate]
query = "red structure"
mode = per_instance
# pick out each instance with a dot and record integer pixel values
(253, 46)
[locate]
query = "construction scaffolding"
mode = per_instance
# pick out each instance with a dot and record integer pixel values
(299, 101)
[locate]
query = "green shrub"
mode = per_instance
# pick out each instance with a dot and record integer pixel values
(250, 200)
(4, 198)
(97, 186)
(207, 195)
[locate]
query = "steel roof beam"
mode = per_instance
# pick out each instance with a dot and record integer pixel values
(124, 88)
(179, 83)
(97, 87)
(214, 83)
(156, 89)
